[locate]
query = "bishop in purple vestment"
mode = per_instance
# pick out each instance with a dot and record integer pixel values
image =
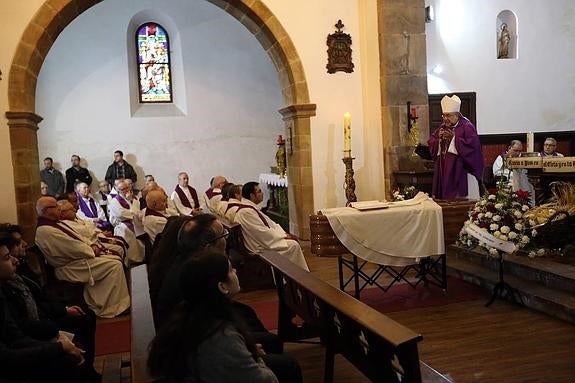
(456, 149)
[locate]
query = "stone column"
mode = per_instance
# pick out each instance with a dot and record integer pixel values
(25, 162)
(299, 171)
(403, 77)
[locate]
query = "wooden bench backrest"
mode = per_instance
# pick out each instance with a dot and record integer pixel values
(377, 345)
(142, 324)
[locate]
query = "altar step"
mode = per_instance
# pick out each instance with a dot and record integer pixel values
(544, 284)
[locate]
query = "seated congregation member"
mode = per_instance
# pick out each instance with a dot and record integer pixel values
(90, 210)
(40, 317)
(23, 359)
(53, 178)
(185, 197)
(196, 235)
(120, 169)
(213, 195)
(106, 242)
(259, 231)
(43, 188)
(105, 287)
(549, 148)
(204, 340)
(516, 178)
(76, 174)
(155, 215)
(126, 217)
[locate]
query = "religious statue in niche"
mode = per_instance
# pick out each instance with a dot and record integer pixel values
(504, 39)
(339, 51)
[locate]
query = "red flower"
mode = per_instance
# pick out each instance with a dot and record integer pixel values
(507, 219)
(492, 190)
(490, 207)
(484, 225)
(523, 194)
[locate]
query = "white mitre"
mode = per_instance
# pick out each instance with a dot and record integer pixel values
(450, 104)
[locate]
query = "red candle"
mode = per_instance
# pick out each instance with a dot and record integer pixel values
(414, 112)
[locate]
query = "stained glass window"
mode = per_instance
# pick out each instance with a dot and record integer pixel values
(154, 74)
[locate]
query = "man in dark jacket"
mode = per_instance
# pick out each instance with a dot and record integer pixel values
(120, 169)
(76, 174)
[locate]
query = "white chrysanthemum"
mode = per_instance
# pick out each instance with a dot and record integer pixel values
(524, 207)
(533, 233)
(532, 254)
(512, 235)
(480, 215)
(503, 237)
(532, 222)
(517, 214)
(505, 229)
(497, 234)
(525, 239)
(541, 252)
(491, 197)
(493, 227)
(493, 251)
(488, 214)
(519, 226)
(483, 202)
(497, 218)
(499, 206)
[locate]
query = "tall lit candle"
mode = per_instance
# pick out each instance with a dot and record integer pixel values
(530, 140)
(347, 134)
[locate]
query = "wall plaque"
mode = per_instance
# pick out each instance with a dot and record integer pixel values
(339, 51)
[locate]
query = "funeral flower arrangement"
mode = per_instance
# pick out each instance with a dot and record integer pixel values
(500, 213)
(408, 192)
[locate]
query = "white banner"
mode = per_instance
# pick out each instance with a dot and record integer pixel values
(483, 236)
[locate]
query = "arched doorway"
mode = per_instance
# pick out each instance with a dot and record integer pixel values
(51, 19)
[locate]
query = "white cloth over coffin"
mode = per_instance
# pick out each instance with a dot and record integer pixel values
(398, 236)
(119, 214)
(74, 261)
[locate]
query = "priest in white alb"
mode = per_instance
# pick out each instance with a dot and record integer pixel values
(105, 287)
(185, 197)
(126, 216)
(260, 232)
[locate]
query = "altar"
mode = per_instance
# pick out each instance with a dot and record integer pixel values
(278, 206)
(399, 238)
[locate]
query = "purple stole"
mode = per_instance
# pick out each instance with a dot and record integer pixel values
(90, 211)
(542, 154)
(211, 193)
(184, 198)
(42, 221)
(104, 198)
(125, 205)
(153, 212)
(241, 206)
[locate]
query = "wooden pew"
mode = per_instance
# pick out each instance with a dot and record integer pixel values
(253, 273)
(142, 324)
(382, 349)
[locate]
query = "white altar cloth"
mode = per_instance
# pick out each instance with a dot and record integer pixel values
(396, 236)
(273, 179)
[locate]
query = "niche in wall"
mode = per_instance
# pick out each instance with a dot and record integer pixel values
(506, 35)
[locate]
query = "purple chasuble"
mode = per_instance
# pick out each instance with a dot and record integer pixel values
(450, 171)
(125, 205)
(241, 206)
(92, 212)
(184, 198)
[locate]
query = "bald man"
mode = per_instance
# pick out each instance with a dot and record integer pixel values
(156, 214)
(74, 260)
(213, 195)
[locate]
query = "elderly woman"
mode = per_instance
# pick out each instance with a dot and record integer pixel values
(204, 341)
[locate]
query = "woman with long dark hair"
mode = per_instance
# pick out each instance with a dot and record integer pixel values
(204, 341)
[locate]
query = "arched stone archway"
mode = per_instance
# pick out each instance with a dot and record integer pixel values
(51, 19)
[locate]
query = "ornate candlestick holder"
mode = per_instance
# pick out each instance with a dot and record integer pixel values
(349, 183)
